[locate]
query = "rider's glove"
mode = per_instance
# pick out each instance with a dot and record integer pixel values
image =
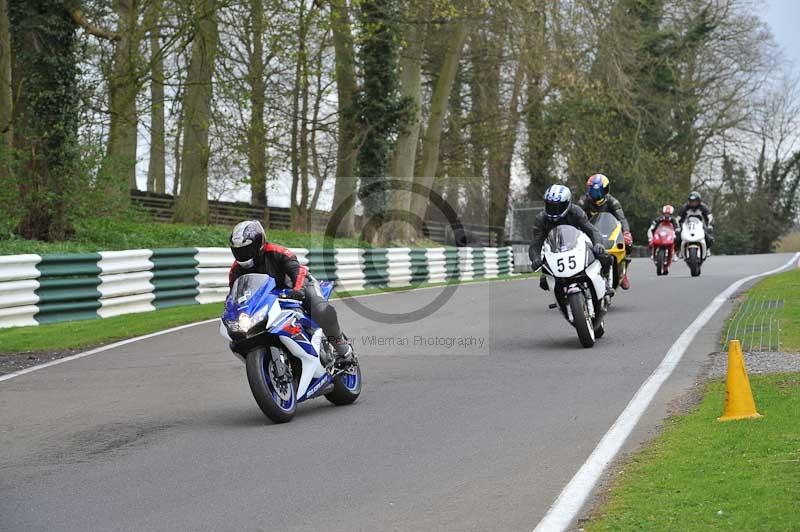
(628, 238)
(536, 264)
(299, 295)
(599, 250)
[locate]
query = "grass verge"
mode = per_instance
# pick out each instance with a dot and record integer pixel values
(700, 474)
(783, 287)
(90, 333)
(109, 234)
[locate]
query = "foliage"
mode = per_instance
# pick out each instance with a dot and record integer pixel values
(755, 207)
(132, 232)
(382, 111)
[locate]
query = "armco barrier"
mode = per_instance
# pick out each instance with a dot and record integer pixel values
(37, 289)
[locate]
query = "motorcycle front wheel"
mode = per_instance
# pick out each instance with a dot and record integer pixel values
(581, 320)
(275, 396)
(693, 258)
(660, 261)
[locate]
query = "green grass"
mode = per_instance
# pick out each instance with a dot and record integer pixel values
(90, 333)
(109, 234)
(700, 474)
(786, 287)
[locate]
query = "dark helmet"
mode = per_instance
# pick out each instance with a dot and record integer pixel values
(598, 186)
(557, 200)
(247, 239)
(694, 199)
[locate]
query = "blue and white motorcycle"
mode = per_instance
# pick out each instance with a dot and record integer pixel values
(287, 356)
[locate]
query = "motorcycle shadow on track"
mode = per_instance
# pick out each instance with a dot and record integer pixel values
(237, 417)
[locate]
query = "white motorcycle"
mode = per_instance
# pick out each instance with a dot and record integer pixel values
(574, 275)
(693, 244)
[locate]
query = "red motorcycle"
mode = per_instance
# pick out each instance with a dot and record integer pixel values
(663, 246)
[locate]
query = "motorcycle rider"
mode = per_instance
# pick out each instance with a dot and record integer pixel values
(559, 210)
(254, 254)
(667, 214)
(694, 206)
(599, 199)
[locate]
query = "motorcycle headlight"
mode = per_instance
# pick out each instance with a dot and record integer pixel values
(246, 322)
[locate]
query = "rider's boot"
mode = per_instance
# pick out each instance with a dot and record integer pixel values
(344, 350)
(624, 282)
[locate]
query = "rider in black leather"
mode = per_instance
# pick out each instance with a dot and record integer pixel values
(254, 254)
(559, 210)
(694, 206)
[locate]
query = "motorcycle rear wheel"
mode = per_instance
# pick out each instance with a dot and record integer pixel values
(346, 386)
(277, 401)
(581, 320)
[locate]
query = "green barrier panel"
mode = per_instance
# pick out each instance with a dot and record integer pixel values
(419, 266)
(503, 261)
(174, 271)
(478, 262)
(322, 264)
(376, 268)
(451, 264)
(68, 287)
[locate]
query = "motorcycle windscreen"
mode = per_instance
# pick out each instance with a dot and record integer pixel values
(247, 285)
(608, 226)
(563, 238)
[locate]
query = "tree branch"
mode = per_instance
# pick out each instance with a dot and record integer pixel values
(102, 33)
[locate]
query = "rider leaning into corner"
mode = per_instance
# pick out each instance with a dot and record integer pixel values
(599, 199)
(694, 207)
(254, 254)
(559, 210)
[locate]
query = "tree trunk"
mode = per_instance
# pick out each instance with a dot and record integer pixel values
(176, 182)
(256, 141)
(501, 154)
(344, 194)
(156, 171)
(295, 133)
(6, 111)
(192, 203)
(433, 133)
(405, 152)
(46, 116)
(123, 88)
(540, 139)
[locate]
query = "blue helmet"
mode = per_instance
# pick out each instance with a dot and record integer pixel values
(557, 200)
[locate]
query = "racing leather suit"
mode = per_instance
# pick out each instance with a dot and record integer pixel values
(704, 213)
(611, 205)
(575, 217)
(282, 265)
(655, 223)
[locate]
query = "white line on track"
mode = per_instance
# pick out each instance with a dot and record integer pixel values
(9, 376)
(572, 498)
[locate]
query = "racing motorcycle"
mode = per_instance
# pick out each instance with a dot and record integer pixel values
(574, 276)
(663, 247)
(693, 244)
(286, 355)
(611, 229)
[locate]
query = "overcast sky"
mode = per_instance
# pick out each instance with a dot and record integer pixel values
(783, 16)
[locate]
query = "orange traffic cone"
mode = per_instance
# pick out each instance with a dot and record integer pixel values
(739, 403)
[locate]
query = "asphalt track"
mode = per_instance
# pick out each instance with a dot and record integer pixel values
(472, 418)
